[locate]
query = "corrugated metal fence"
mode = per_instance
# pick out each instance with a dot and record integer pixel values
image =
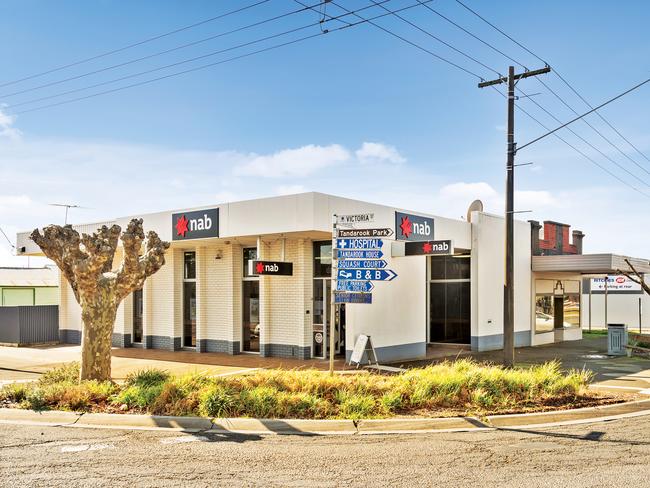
(29, 324)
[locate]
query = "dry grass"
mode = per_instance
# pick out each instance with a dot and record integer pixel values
(459, 387)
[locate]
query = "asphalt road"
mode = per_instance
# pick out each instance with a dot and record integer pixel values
(615, 453)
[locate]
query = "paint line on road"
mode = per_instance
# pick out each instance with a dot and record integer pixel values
(184, 439)
(86, 447)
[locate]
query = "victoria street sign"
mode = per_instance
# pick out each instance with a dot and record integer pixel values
(359, 243)
(385, 232)
(365, 218)
(366, 274)
(362, 264)
(345, 297)
(356, 286)
(427, 248)
(358, 254)
(272, 268)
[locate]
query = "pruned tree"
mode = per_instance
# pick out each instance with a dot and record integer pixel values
(86, 261)
(635, 276)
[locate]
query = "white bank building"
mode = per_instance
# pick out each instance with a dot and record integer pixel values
(256, 277)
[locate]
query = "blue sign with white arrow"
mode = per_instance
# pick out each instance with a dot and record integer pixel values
(359, 243)
(355, 286)
(358, 254)
(345, 297)
(362, 264)
(366, 274)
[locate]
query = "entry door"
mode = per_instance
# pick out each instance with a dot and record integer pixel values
(558, 305)
(189, 314)
(137, 316)
(251, 318)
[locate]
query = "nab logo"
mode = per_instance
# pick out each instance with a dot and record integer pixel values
(413, 227)
(196, 225)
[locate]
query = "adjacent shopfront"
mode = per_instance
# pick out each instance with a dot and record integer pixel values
(255, 277)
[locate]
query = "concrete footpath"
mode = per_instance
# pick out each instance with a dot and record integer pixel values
(324, 427)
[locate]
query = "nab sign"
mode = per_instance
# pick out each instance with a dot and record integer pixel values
(273, 268)
(413, 227)
(197, 224)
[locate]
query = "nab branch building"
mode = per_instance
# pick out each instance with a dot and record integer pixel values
(266, 276)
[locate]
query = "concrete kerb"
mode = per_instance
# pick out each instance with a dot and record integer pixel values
(325, 427)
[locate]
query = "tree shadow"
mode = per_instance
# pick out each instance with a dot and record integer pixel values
(593, 436)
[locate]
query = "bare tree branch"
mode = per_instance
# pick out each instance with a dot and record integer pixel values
(635, 276)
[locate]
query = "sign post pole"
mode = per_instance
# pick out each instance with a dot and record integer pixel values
(332, 310)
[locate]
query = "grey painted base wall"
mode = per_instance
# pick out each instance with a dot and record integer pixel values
(400, 352)
(285, 351)
(121, 340)
(162, 342)
(495, 342)
(69, 336)
(216, 345)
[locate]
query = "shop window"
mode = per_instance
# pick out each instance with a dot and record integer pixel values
(323, 259)
(189, 272)
(250, 254)
(557, 305)
(450, 267)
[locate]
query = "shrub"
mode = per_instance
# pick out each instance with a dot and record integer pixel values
(14, 392)
(34, 399)
(67, 373)
(138, 396)
(261, 401)
(356, 406)
(147, 377)
(391, 401)
(216, 401)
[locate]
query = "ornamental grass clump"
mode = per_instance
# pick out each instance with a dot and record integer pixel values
(450, 388)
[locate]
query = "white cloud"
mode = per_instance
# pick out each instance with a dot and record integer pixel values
(301, 162)
(376, 152)
(7, 128)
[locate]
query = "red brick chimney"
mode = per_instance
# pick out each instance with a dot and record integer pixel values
(556, 239)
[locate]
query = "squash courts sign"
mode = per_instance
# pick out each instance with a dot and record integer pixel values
(197, 224)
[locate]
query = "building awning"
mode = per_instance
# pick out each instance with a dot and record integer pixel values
(588, 263)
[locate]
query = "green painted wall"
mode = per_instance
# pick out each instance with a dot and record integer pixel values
(40, 295)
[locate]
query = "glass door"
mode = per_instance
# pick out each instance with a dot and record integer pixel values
(189, 299)
(137, 316)
(251, 319)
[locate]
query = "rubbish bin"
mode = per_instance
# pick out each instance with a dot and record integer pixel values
(616, 339)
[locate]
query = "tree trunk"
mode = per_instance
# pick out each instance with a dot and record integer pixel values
(98, 320)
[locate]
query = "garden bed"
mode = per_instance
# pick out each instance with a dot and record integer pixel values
(462, 387)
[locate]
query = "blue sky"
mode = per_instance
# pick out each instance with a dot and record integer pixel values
(354, 112)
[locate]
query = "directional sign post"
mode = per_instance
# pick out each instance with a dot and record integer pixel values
(366, 274)
(362, 264)
(358, 254)
(345, 297)
(358, 244)
(385, 232)
(355, 286)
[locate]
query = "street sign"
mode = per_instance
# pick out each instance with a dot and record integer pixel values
(366, 274)
(359, 243)
(364, 218)
(345, 297)
(272, 268)
(362, 264)
(357, 286)
(428, 248)
(358, 254)
(384, 232)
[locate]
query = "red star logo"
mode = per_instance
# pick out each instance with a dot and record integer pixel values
(181, 226)
(406, 227)
(427, 247)
(259, 268)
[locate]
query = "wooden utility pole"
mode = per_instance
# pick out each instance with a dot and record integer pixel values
(509, 289)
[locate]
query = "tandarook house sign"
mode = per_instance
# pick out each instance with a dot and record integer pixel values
(198, 224)
(410, 227)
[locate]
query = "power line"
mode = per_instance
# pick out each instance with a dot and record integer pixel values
(135, 44)
(160, 68)
(587, 113)
(159, 53)
(586, 156)
(602, 117)
(417, 46)
(197, 68)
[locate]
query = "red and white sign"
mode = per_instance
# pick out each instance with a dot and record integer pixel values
(614, 284)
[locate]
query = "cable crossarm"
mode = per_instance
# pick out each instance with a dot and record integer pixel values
(635, 87)
(223, 61)
(135, 44)
(178, 63)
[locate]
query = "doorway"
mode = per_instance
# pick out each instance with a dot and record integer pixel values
(449, 299)
(189, 299)
(137, 316)
(250, 305)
